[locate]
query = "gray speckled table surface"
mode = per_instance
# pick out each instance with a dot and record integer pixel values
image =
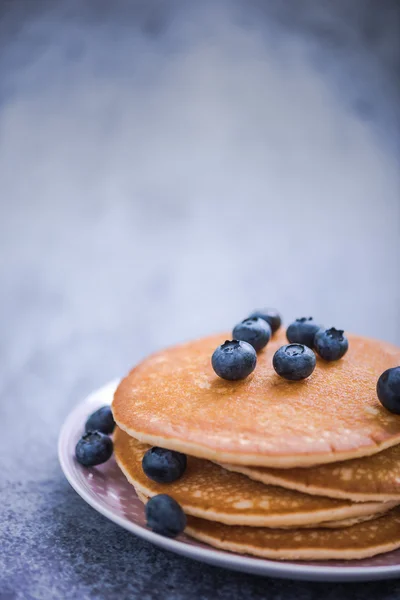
(164, 168)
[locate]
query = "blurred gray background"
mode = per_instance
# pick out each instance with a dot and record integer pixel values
(166, 167)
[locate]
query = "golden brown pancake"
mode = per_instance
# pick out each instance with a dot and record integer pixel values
(327, 525)
(356, 542)
(207, 490)
(173, 399)
(361, 540)
(374, 478)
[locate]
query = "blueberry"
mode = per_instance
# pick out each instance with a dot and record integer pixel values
(255, 331)
(331, 344)
(302, 331)
(94, 448)
(165, 516)
(163, 466)
(388, 390)
(294, 362)
(101, 420)
(234, 360)
(270, 315)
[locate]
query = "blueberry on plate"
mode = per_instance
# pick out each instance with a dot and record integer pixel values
(294, 362)
(162, 465)
(388, 390)
(255, 331)
(94, 448)
(165, 516)
(331, 344)
(101, 420)
(234, 360)
(270, 315)
(302, 331)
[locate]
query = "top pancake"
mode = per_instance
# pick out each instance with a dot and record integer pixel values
(173, 399)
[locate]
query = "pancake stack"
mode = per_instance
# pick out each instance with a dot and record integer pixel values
(277, 469)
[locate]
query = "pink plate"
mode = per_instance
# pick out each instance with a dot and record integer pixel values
(107, 491)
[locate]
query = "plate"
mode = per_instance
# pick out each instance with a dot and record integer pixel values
(106, 489)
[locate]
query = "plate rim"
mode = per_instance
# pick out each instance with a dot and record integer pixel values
(238, 562)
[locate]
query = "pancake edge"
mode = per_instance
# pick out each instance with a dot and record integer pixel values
(270, 479)
(306, 554)
(286, 461)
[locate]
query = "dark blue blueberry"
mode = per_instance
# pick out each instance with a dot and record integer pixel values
(101, 420)
(94, 448)
(388, 390)
(302, 331)
(162, 465)
(331, 344)
(234, 360)
(294, 362)
(270, 315)
(255, 331)
(165, 516)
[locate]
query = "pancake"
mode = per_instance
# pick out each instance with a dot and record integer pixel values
(327, 525)
(375, 478)
(173, 399)
(208, 491)
(359, 541)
